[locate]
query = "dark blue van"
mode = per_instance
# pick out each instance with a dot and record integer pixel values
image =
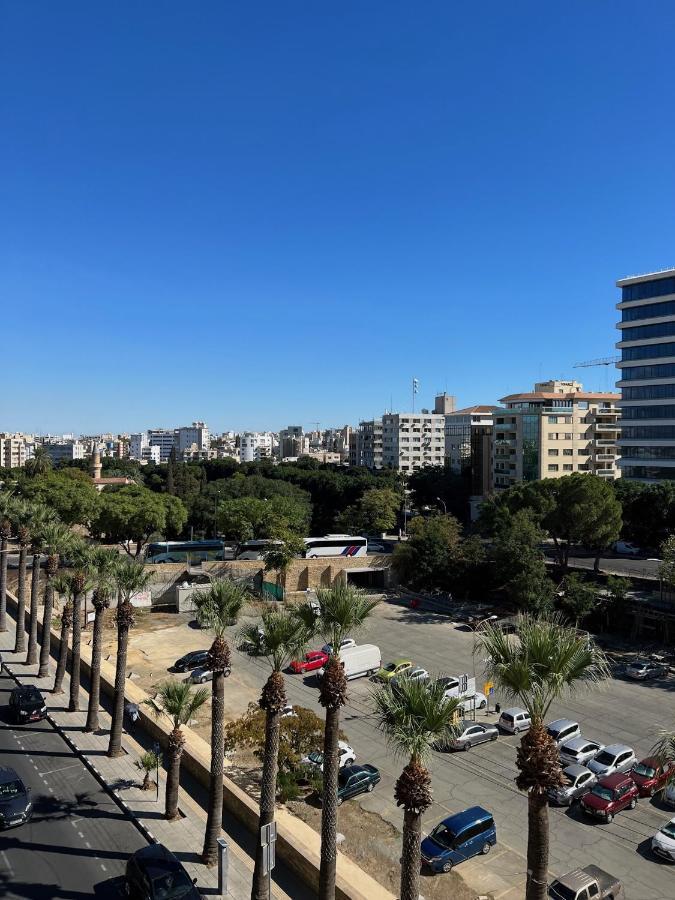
(459, 837)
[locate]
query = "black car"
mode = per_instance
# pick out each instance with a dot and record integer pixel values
(191, 661)
(354, 780)
(15, 803)
(154, 873)
(26, 704)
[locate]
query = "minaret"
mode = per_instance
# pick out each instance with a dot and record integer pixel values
(96, 465)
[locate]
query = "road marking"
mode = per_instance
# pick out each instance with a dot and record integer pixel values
(62, 769)
(7, 865)
(50, 789)
(103, 867)
(80, 835)
(87, 845)
(35, 767)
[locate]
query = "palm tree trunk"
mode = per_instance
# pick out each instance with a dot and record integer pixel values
(95, 676)
(329, 811)
(260, 887)
(31, 657)
(537, 845)
(3, 585)
(74, 701)
(63, 656)
(20, 640)
(45, 643)
(411, 855)
(215, 813)
(176, 741)
(115, 745)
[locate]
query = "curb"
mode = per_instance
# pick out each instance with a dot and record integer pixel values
(91, 768)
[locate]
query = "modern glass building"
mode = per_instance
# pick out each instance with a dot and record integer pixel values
(647, 375)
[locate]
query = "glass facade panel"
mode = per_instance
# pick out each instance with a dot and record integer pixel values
(530, 448)
(648, 452)
(647, 412)
(642, 332)
(657, 288)
(661, 473)
(650, 351)
(649, 392)
(648, 311)
(664, 370)
(648, 432)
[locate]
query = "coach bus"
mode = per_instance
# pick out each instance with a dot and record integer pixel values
(184, 551)
(335, 545)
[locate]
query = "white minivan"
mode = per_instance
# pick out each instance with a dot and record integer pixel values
(359, 661)
(514, 720)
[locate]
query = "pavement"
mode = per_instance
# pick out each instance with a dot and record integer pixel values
(94, 789)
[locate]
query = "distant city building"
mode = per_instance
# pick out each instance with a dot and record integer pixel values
(445, 404)
(15, 450)
(64, 452)
(555, 430)
(468, 446)
(197, 433)
(165, 439)
(365, 445)
(292, 442)
(647, 376)
(411, 441)
(256, 445)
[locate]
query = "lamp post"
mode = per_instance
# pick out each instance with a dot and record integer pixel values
(474, 629)
(156, 748)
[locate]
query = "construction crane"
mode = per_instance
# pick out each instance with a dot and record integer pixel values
(602, 361)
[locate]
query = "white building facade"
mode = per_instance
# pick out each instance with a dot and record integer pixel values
(411, 441)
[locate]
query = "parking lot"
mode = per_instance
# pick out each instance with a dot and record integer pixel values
(622, 711)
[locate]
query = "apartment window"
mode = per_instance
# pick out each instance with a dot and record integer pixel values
(568, 467)
(552, 467)
(553, 435)
(582, 452)
(552, 420)
(649, 311)
(553, 452)
(568, 436)
(640, 332)
(568, 452)
(567, 420)
(644, 289)
(650, 392)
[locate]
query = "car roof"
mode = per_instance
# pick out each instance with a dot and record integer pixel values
(343, 745)
(402, 659)
(651, 761)
(351, 770)
(577, 742)
(559, 724)
(575, 770)
(156, 858)
(469, 723)
(465, 818)
(7, 774)
(615, 749)
(613, 781)
(513, 711)
(26, 689)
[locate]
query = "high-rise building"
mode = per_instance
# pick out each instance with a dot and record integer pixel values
(411, 441)
(186, 436)
(468, 446)
(292, 442)
(647, 375)
(165, 439)
(255, 445)
(15, 449)
(555, 430)
(365, 445)
(445, 404)
(64, 451)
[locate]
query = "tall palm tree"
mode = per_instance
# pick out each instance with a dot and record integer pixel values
(41, 517)
(283, 641)
(63, 585)
(21, 517)
(81, 581)
(40, 464)
(544, 661)
(130, 577)
(343, 610)
(103, 563)
(414, 717)
(176, 701)
(217, 608)
(6, 506)
(57, 539)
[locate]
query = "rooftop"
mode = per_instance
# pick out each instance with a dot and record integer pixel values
(549, 395)
(473, 409)
(648, 276)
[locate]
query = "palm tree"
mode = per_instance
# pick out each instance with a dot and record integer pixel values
(21, 517)
(63, 585)
(216, 609)
(282, 643)
(130, 577)
(81, 581)
(343, 610)
(57, 539)
(41, 517)
(40, 464)
(6, 506)
(414, 717)
(544, 661)
(103, 563)
(177, 702)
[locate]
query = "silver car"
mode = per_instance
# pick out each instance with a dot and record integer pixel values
(579, 751)
(642, 669)
(470, 734)
(563, 730)
(204, 674)
(578, 780)
(614, 758)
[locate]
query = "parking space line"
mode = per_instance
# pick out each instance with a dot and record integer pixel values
(6, 861)
(62, 769)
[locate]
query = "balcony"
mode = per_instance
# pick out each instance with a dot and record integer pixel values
(607, 426)
(505, 442)
(606, 473)
(609, 457)
(605, 442)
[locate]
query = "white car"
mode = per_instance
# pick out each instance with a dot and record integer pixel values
(346, 757)
(288, 712)
(204, 674)
(417, 673)
(478, 701)
(579, 751)
(642, 669)
(614, 758)
(345, 642)
(663, 842)
(563, 730)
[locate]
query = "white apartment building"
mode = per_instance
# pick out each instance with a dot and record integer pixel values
(138, 443)
(197, 433)
(15, 449)
(255, 445)
(411, 441)
(65, 451)
(292, 442)
(165, 439)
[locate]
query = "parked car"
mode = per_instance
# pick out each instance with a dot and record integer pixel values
(626, 548)
(669, 796)
(514, 720)
(313, 659)
(353, 780)
(154, 873)
(346, 757)
(614, 758)
(472, 733)
(650, 775)
(417, 673)
(394, 669)
(643, 669)
(26, 704)
(578, 781)
(256, 646)
(458, 838)
(16, 807)
(562, 730)
(345, 642)
(191, 661)
(663, 842)
(579, 751)
(609, 796)
(589, 883)
(204, 674)
(288, 712)
(457, 685)
(478, 701)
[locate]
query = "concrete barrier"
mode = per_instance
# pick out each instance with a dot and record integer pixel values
(298, 845)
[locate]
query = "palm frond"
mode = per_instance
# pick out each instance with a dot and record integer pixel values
(220, 605)
(344, 610)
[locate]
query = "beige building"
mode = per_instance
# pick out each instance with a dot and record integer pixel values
(555, 430)
(15, 449)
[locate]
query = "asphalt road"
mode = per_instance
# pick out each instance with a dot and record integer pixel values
(637, 567)
(622, 711)
(78, 841)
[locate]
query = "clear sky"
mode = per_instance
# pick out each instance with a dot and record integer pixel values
(267, 213)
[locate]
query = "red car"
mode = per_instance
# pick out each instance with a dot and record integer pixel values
(315, 659)
(650, 776)
(609, 796)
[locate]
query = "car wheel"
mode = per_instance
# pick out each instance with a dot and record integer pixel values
(652, 791)
(467, 746)
(633, 803)
(485, 849)
(370, 787)
(494, 736)
(447, 867)
(609, 818)
(202, 680)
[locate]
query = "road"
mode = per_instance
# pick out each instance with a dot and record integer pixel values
(616, 565)
(622, 711)
(78, 841)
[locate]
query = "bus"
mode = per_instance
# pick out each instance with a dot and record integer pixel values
(335, 545)
(184, 551)
(255, 549)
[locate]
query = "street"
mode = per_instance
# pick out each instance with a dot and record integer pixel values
(78, 841)
(621, 711)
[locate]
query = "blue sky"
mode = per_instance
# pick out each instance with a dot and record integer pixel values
(257, 214)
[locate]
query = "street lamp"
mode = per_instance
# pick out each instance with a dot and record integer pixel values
(445, 508)
(474, 629)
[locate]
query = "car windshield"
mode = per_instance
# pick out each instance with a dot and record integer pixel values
(171, 886)
(343, 777)
(443, 836)
(569, 781)
(391, 667)
(639, 664)
(562, 891)
(604, 758)
(10, 789)
(602, 792)
(669, 830)
(316, 757)
(642, 769)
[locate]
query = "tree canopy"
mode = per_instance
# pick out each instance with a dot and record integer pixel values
(69, 492)
(134, 513)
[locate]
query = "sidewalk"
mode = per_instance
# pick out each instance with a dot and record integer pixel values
(122, 779)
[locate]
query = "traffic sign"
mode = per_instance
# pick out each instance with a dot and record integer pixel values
(268, 839)
(488, 688)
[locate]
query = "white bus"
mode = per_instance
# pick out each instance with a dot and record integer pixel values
(335, 545)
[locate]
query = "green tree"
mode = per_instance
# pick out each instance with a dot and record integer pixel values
(427, 558)
(248, 518)
(6, 507)
(667, 565)
(41, 517)
(104, 563)
(134, 513)
(618, 596)
(414, 717)
(39, 464)
(547, 662)
(648, 511)
(147, 762)
(434, 486)
(56, 540)
(580, 597)
(519, 563)
(216, 608)
(375, 512)
(130, 578)
(80, 560)
(69, 492)
(176, 701)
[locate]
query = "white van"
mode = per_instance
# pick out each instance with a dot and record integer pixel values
(364, 659)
